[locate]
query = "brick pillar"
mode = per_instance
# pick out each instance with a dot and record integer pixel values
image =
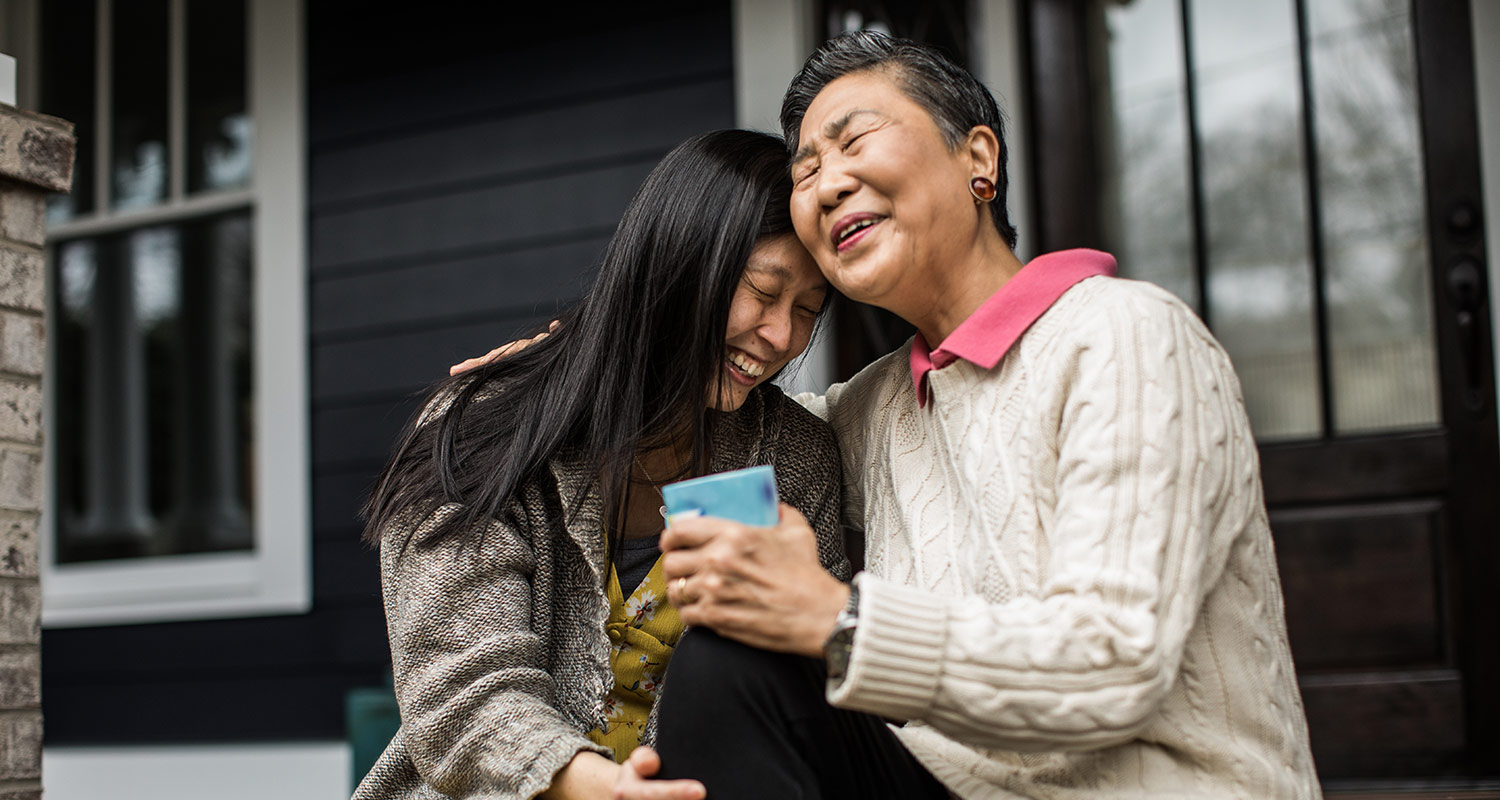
(36, 158)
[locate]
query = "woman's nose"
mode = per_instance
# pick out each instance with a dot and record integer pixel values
(776, 328)
(834, 183)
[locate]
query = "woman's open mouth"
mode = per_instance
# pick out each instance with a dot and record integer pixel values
(852, 228)
(744, 369)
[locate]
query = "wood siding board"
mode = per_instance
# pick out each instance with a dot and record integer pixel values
(359, 437)
(200, 708)
(534, 280)
(337, 497)
(457, 223)
(529, 144)
(650, 52)
(356, 583)
(362, 371)
(332, 634)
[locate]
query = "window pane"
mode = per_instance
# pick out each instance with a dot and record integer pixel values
(67, 87)
(1370, 182)
(154, 391)
(139, 166)
(1260, 279)
(1146, 204)
(76, 270)
(218, 121)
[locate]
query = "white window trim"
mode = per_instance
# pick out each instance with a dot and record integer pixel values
(275, 577)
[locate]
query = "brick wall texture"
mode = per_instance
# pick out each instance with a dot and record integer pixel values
(36, 159)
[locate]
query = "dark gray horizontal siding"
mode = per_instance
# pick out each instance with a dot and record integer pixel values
(359, 371)
(472, 287)
(661, 46)
(463, 179)
(471, 221)
(536, 142)
(358, 436)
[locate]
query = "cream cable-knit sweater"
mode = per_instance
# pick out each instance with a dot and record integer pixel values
(1071, 590)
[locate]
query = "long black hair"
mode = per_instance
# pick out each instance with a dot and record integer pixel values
(632, 365)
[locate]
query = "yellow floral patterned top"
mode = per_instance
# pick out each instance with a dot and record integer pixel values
(643, 630)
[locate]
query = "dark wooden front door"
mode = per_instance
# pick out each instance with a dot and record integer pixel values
(1306, 174)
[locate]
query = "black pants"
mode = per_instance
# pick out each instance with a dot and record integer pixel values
(755, 724)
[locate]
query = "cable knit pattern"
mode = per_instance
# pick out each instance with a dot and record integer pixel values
(499, 650)
(1071, 589)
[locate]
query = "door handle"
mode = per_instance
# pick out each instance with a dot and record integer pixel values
(1466, 290)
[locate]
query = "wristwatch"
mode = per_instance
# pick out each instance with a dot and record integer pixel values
(840, 642)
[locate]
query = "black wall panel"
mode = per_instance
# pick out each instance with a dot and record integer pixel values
(464, 175)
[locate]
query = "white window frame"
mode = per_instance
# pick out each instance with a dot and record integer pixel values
(275, 576)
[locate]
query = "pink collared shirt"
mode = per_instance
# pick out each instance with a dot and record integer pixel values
(989, 332)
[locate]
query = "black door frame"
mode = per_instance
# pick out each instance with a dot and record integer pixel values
(1464, 455)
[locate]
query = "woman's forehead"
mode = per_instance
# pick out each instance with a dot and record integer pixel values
(785, 258)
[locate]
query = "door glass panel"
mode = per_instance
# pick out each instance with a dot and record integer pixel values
(1148, 215)
(1260, 292)
(1370, 183)
(1314, 264)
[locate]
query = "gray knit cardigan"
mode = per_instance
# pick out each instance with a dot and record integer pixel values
(499, 651)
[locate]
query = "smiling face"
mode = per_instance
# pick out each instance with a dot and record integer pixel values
(771, 317)
(878, 197)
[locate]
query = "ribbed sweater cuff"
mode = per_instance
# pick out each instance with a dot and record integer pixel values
(898, 648)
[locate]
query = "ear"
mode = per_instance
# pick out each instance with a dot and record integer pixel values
(983, 149)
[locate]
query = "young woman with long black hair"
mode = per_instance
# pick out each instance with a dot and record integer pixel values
(517, 517)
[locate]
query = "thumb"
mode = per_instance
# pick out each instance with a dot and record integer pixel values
(644, 762)
(791, 516)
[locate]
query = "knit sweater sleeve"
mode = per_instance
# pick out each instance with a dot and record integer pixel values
(476, 699)
(1155, 475)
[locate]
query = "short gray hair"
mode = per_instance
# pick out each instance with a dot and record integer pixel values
(954, 98)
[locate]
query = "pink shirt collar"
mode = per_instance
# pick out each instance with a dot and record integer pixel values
(989, 332)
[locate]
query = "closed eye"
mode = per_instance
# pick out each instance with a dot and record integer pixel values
(760, 293)
(850, 142)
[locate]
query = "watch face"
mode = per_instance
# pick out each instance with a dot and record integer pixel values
(836, 651)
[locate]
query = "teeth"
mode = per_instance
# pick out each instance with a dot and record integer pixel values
(855, 228)
(751, 368)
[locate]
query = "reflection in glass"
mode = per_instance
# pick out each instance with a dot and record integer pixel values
(1370, 184)
(1146, 203)
(67, 78)
(76, 267)
(1260, 290)
(139, 156)
(218, 122)
(1256, 180)
(154, 391)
